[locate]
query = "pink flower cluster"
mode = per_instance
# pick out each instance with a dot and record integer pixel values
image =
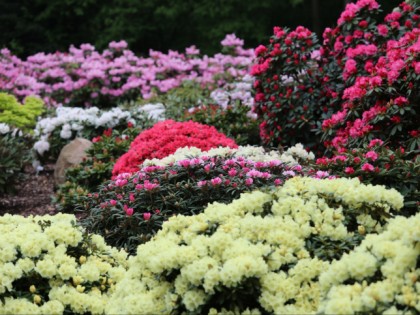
(205, 173)
(164, 138)
(382, 69)
(83, 76)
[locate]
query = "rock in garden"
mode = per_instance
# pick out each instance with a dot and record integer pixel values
(71, 154)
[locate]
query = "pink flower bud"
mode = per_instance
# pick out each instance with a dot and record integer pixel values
(129, 211)
(146, 216)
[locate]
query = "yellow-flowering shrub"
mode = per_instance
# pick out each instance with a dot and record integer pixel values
(263, 253)
(50, 266)
(381, 276)
(17, 115)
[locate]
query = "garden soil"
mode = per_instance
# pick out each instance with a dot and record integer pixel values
(33, 195)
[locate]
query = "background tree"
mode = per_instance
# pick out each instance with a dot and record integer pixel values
(30, 26)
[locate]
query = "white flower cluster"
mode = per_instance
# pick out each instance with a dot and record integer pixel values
(4, 128)
(257, 154)
(236, 91)
(299, 152)
(72, 120)
(29, 251)
(228, 244)
(154, 111)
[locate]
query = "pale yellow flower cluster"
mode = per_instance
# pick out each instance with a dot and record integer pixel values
(193, 257)
(29, 251)
(257, 154)
(394, 254)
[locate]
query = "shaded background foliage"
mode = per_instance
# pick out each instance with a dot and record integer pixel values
(31, 26)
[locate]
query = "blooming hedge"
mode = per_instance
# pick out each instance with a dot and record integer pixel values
(268, 253)
(380, 72)
(85, 77)
(50, 266)
(165, 138)
(313, 245)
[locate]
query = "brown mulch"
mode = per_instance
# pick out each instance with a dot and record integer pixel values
(33, 195)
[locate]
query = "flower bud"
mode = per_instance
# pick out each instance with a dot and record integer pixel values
(80, 288)
(37, 299)
(32, 289)
(77, 280)
(82, 260)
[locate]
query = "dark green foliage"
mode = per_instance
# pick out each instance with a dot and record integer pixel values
(233, 122)
(31, 26)
(14, 155)
(95, 170)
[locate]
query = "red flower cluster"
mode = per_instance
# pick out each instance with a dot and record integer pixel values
(164, 138)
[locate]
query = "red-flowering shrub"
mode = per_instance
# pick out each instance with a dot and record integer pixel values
(363, 83)
(380, 74)
(165, 138)
(286, 89)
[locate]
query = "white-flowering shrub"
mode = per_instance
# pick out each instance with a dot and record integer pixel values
(48, 266)
(71, 122)
(235, 91)
(293, 156)
(257, 254)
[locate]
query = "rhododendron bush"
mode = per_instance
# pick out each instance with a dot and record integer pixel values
(165, 138)
(262, 254)
(311, 246)
(85, 77)
(377, 164)
(130, 209)
(361, 83)
(48, 265)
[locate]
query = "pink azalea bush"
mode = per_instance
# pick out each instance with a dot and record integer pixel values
(85, 77)
(164, 138)
(130, 209)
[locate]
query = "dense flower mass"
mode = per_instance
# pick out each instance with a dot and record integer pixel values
(85, 77)
(130, 209)
(213, 227)
(50, 266)
(165, 138)
(361, 83)
(69, 123)
(261, 252)
(285, 89)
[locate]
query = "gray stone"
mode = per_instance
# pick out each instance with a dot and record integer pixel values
(71, 154)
